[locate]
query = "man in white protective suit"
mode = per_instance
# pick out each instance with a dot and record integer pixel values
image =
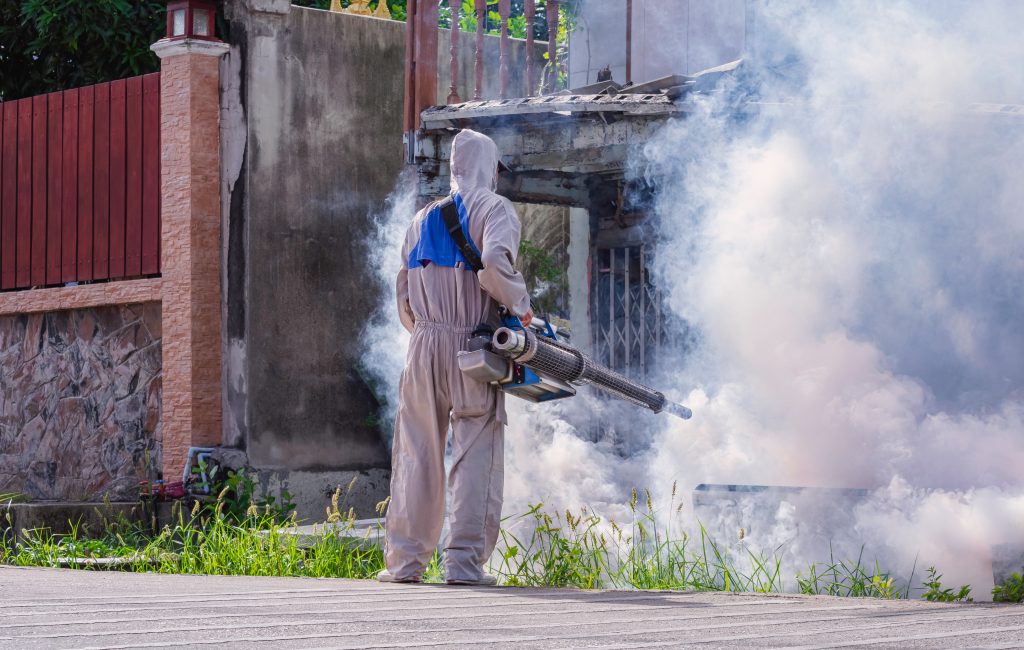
(440, 301)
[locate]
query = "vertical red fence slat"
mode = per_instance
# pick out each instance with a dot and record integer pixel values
(151, 174)
(9, 195)
(101, 185)
(80, 184)
(69, 181)
(39, 190)
(86, 121)
(118, 149)
(23, 261)
(54, 185)
(133, 179)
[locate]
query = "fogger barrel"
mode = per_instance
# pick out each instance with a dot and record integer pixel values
(549, 357)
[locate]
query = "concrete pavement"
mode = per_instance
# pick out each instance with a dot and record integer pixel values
(50, 608)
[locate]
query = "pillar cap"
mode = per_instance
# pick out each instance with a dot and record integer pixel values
(166, 47)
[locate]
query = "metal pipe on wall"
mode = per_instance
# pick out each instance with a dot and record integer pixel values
(408, 121)
(629, 41)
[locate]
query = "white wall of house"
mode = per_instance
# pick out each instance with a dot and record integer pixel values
(669, 37)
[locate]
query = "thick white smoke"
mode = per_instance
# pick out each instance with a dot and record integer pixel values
(854, 263)
(386, 341)
(851, 256)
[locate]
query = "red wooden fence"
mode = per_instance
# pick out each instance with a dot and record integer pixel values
(80, 184)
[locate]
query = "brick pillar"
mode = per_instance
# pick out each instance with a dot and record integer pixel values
(191, 245)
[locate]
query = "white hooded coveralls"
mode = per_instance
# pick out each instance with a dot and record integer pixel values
(440, 306)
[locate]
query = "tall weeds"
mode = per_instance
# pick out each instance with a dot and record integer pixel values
(538, 548)
(582, 550)
(207, 540)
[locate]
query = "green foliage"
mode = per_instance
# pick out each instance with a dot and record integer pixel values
(397, 7)
(544, 266)
(935, 593)
(848, 579)
(208, 540)
(582, 551)
(1011, 591)
(236, 496)
(49, 45)
(467, 15)
(539, 549)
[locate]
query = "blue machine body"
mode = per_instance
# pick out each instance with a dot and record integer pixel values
(525, 382)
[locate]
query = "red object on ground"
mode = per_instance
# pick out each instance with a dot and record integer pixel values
(174, 490)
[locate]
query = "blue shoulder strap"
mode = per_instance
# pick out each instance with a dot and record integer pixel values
(439, 241)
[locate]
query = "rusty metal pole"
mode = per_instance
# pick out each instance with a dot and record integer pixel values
(481, 17)
(504, 9)
(453, 90)
(426, 56)
(552, 73)
(420, 67)
(629, 41)
(409, 107)
(529, 12)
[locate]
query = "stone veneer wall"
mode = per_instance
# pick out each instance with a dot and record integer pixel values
(80, 394)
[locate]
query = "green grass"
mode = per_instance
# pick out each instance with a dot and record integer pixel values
(1011, 590)
(935, 593)
(850, 579)
(579, 550)
(206, 541)
(538, 548)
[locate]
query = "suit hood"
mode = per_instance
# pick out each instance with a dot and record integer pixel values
(474, 162)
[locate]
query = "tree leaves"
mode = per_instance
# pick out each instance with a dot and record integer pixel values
(49, 45)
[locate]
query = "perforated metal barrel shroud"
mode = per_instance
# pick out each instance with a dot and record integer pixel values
(550, 357)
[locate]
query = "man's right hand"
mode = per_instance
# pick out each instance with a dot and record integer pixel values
(527, 318)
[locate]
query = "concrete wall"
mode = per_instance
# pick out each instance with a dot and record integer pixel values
(669, 37)
(80, 398)
(321, 147)
(311, 129)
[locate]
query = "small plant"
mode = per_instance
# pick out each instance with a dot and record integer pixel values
(1011, 591)
(236, 497)
(546, 267)
(936, 593)
(206, 540)
(848, 579)
(584, 551)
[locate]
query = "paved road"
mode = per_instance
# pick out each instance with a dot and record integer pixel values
(46, 608)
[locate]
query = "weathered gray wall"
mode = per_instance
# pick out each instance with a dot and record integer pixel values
(312, 146)
(80, 402)
(322, 95)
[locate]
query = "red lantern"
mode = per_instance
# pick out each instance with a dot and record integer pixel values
(191, 19)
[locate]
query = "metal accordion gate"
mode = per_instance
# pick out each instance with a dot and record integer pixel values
(628, 318)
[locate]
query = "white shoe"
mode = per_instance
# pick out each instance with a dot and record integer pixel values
(385, 576)
(485, 580)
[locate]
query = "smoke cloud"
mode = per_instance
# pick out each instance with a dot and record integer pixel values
(842, 225)
(853, 265)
